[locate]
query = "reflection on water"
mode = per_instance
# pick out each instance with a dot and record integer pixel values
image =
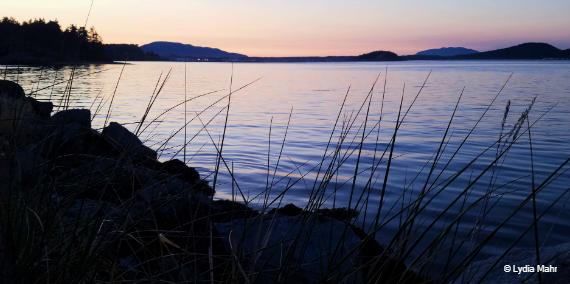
(313, 94)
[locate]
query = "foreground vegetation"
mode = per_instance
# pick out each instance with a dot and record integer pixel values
(82, 206)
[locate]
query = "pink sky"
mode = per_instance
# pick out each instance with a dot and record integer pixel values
(312, 28)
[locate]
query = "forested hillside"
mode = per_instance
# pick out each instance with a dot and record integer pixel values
(45, 42)
(37, 41)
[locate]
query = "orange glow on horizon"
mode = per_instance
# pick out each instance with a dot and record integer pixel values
(317, 28)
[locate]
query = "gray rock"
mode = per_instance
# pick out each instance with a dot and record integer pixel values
(178, 167)
(17, 115)
(42, 109)
(13, 90)
(555, 256)
(69, 132)
(127, 141)
(308, 248)
(80, 117)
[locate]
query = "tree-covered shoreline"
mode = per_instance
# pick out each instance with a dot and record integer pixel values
(45, 42)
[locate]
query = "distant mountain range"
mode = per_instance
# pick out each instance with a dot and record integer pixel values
(447, 51)
(533, 50)
(176, 50)
(530, 50)
(522, 51)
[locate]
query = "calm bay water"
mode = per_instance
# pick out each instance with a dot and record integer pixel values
(311, 95)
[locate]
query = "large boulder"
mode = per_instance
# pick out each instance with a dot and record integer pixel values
(308, 248)
(70, 132)
(177, 167)
(17, 116)
(130, 145)
(42, 109)
(11, 89)
(80, 117)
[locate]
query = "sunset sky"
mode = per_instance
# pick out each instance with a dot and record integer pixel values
(312, 27)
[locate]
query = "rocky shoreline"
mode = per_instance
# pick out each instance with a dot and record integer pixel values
(150, 220)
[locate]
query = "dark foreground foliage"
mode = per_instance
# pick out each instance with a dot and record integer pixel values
(82, 206)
